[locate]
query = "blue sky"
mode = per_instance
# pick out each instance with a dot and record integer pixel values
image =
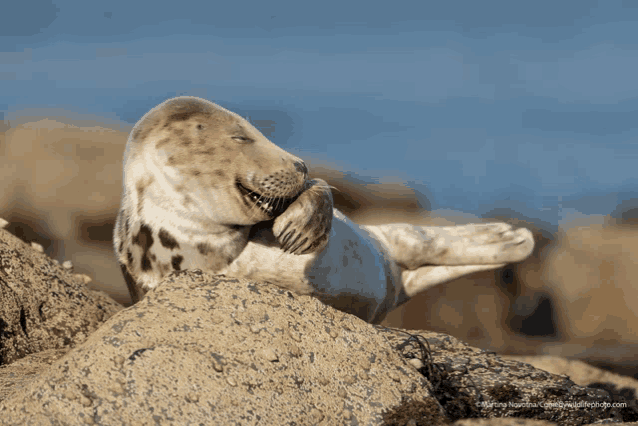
(530, 106)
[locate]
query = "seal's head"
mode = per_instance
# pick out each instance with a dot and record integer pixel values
(216, 162)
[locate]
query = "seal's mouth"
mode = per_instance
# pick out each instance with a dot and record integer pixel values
(271, 206)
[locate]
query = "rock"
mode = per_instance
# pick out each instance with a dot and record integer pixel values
(37, 247)
(84, 278)
(580, 372)
(621, 388)
(213, 350)
(470, 382)
(41, 305)
(23, 371)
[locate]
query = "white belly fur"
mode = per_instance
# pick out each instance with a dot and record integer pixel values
(352, 267)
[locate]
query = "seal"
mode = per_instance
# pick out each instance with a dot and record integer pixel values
(204, 189)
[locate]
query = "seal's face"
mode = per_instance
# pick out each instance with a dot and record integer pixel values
(219, 164)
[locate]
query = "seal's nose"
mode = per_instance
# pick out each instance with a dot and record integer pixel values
(300, 166)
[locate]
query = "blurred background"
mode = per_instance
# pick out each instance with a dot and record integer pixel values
(426, 112)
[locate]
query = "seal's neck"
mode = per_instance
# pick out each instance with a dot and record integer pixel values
(187, 224)
(152, 197)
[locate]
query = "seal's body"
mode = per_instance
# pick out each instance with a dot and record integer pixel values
(204, 189)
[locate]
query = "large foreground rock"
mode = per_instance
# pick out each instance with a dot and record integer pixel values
(42, 305)
(206, 350)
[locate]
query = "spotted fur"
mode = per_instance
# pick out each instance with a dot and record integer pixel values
(190, 167)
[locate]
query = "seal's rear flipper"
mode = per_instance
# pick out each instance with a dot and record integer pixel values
(414, 246)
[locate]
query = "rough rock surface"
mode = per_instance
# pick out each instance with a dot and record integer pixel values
(214, 350)
(472, 383)
(580, 372)
(42, 305)
(621, 388)
(22, 372)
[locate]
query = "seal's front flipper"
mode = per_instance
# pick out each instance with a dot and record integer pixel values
(305, 225)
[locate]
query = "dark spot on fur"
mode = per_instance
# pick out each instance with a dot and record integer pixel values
(142, 131)
(178, 132)
(129, 258)
(121, 247)
(176, 262)
(187, 200)
(167, 239)
(153, 257)
(210, 151)
(204, 248)
(162, 142)
(146, 263)
(195, 172)
(186, 141)
(126, 225)
(182, 116)
(141, 186)
(220, 174)
(144, 239)
(145, 127)
(164, 268)
(229, 260)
